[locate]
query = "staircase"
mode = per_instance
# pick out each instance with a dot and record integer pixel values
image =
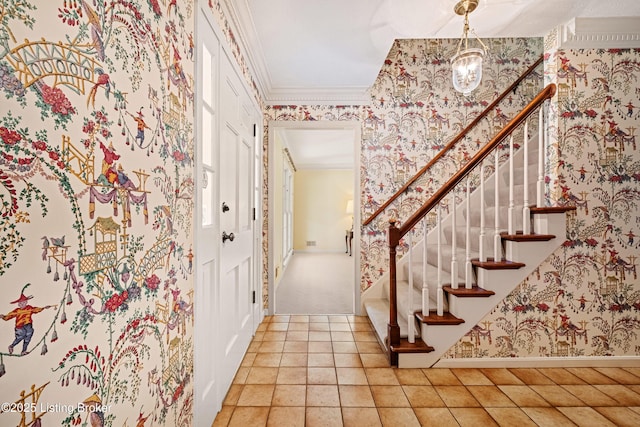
(489, 241)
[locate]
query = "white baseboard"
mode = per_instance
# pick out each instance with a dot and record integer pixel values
(319, 251)
(540, 362)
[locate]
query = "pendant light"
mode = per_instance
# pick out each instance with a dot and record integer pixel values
(466, 65)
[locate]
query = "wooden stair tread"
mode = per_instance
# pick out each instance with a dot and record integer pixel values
(504, 264)
(520, 237)
(463, 292)
(406, 347)
(434, 319)
(551, 209)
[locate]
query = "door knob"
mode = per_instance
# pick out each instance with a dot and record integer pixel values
(225, 207)
(226, 236)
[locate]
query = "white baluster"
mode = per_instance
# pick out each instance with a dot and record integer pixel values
(483, 226)
(468, 271)
(511, 222)
(425, 286)
(526, 213)
(440, 293)
(454, 242)
(497, 250)
(411, 323)
(541, 149)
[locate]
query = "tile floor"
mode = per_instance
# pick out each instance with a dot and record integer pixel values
(331, 371)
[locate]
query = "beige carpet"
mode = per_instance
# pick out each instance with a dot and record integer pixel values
(317, 283)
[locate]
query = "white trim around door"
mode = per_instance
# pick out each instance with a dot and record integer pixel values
(228, 182)
(273, 127)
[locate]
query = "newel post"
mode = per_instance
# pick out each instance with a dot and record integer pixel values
(393, 330)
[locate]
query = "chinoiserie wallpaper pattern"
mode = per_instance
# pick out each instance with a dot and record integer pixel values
(96, 208)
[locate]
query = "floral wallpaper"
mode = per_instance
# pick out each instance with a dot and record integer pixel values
(96, 208)
(585, 299)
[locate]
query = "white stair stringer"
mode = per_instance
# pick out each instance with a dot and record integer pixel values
(502, 282)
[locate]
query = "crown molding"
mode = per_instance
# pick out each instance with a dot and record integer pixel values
(240, 16)
(594, 33)
(321, 96)
(237, 11)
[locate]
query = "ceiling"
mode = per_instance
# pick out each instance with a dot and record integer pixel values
(330, 51)
(319, 148)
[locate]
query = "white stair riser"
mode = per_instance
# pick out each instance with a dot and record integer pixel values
(461, 307)
(524, 251)
(545, 224)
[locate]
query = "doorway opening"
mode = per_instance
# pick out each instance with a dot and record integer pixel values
(314, 187)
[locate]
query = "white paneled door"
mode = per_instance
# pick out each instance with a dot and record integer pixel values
(237, 275)
(227, 289)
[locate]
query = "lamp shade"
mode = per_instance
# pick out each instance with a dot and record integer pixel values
(467, 70)
(349, 207)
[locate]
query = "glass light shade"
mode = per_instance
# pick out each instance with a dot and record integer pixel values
(467, 70)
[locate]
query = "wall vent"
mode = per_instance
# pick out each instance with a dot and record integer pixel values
(311, 242)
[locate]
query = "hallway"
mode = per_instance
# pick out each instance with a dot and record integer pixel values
(317, 283)
(317, 370)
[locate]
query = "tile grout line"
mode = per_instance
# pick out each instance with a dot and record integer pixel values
(447, 384)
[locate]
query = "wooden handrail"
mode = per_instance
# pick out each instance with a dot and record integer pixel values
(544, 94)
(395, 234)
(453, 142)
